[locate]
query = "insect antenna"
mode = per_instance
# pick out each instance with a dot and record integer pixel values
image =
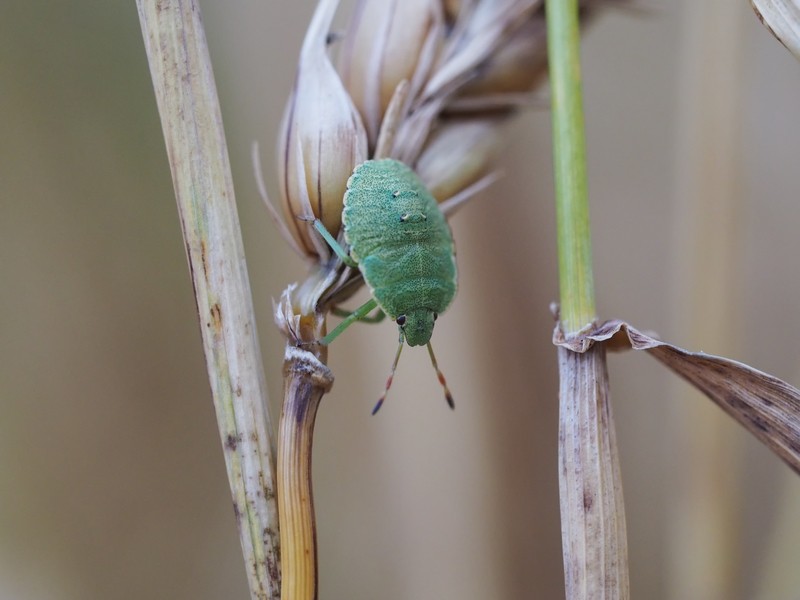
(448, 396)
(391, 376)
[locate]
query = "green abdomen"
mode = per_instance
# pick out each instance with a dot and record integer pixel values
(410, 277)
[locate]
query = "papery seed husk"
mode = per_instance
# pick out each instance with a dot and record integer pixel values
(476, 40)
(382, 47)
(518, 65)
(458, 154)
(322, 138)
(782, 18)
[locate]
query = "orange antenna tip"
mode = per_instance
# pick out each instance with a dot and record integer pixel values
(447, 395)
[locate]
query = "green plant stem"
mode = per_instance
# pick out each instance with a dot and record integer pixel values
(569, 160)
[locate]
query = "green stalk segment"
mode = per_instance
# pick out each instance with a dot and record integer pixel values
(569, 159)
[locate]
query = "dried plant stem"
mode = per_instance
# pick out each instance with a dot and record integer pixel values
(190, 117)
(592, 511)
(306, 381)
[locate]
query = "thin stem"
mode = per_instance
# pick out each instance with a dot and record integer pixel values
(306, 380)
(190, 117)
(569, 159)
(592, 510)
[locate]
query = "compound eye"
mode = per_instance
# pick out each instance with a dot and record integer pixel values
(401, 320)
(435, 316)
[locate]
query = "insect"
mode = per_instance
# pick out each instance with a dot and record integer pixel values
(402, 245)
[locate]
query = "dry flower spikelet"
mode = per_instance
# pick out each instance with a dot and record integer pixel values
(431, 82)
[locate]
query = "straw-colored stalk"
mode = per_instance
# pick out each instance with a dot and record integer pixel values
(190, 117)
(306, 379)
(590, 484)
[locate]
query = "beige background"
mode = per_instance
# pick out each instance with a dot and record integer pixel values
(112, 484)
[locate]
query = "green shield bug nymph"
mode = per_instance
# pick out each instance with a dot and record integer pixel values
(402, 245)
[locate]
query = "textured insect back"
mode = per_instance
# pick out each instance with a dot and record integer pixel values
(402, 243)
(395, 193)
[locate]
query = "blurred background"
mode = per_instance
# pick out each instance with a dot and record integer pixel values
(112, 483)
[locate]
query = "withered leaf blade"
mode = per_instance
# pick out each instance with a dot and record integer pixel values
(766, 406)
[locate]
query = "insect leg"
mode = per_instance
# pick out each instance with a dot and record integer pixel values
(335, 246)
(358, 314)
(376, 317)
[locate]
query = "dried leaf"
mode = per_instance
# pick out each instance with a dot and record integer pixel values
(782, 18)
(766, 406)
